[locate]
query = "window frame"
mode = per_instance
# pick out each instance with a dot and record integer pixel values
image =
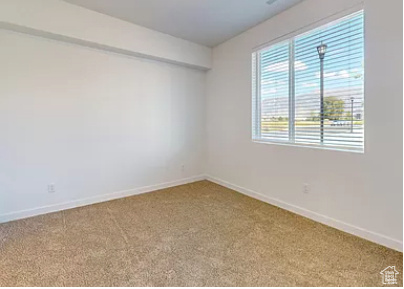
(256, 85)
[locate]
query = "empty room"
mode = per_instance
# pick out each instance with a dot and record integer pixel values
(200, 143)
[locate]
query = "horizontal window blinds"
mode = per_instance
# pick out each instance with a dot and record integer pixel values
(274, 92)
(343, 85)
(290, 104)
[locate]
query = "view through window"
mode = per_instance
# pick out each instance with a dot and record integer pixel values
(309, 90)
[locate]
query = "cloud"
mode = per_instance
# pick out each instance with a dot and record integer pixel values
(284, 66)
(270, 81)
(278, 67)
(336, 74)
(300, 65)
(309, 84)
(344, 74)
(268, 91)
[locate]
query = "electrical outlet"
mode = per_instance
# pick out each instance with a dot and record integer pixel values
(183, 168)
(306, 188)
(51, 188)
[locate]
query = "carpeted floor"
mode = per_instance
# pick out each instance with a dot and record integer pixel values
(199, 234)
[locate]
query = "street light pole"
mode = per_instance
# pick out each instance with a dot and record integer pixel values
(352, 100)
(321, 53)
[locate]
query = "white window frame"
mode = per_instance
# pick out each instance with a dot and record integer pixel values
(256, 86)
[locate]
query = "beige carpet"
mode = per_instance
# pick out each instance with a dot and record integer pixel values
(199, 234)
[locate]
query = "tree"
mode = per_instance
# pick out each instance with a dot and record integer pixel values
(348, 115)
(283, 118)
(333, 108)
(313, 116)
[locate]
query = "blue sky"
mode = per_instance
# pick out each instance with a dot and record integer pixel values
(343, 64)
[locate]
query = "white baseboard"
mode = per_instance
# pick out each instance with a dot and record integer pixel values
(362, 233)
(93, 200)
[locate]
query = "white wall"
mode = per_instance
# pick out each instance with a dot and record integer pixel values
(360, 193)
(92, 123)
(61, 20)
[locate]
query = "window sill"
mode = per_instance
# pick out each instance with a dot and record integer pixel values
(312, 146)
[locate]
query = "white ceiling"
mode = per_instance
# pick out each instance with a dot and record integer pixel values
(207, 22)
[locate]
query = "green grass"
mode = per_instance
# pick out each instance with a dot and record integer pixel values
(283, 125)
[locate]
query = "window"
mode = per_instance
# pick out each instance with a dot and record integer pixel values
(309, 90)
